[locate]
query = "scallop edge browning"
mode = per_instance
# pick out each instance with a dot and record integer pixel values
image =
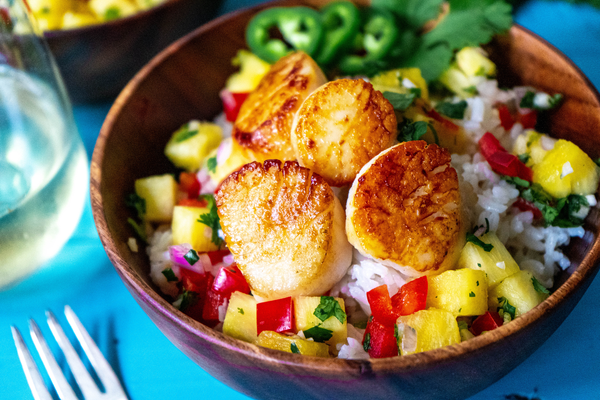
(404, 210)
(285, 229)
(340, 127)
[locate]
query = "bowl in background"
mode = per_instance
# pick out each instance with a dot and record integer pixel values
(97, 61)
(183, 83)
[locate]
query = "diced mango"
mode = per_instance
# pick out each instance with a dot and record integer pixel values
(518, 289)
(292, 344)
(191, 144)
(240, 320)
(565, 170)
(461, 292)
(236, 156)
(394, 81)
(252, 70)
(427, 330)
(160, 194)
(530, 143)
(187, 229)
(497, 263)
(304, 314)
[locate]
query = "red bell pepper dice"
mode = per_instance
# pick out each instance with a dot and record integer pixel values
(381, 305)
(217, 256)
(486, 322)
(488, 145)
(528, 120)
(189, 184)
(411, 297)
(230, 279)
(210, 312)
(192, 203)
(198, 285)
(232, 102)
(380, 339)
(525, 205)
(506, 119)
(275, 315)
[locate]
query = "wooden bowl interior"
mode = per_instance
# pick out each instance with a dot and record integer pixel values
(183, 83)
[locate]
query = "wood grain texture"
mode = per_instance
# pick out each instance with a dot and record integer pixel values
(183, 83)
(97, 61)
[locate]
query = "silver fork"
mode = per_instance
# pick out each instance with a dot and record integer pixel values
(89, 389)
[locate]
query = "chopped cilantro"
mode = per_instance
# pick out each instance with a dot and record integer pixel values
(318, 334)
(112, 13)
(367, 342)
(330, 307)
(462, 325)
(471, 90)
(138, 229)
(211, 219)
(554, 100)
(478, 242)
(184, 134)
(170, 275)
(524, 158)
(294, 348)
(137, 204)
(401, 101)
(452, 110)
(412, 130)
(211, 164)
(191, 257)
(477, 283)
(188, 299)
(460, 309)
(471, 294)
(527, 100)
(479, 265)
(538, 286)
(515, 180)
(505, 306)
(241, 310)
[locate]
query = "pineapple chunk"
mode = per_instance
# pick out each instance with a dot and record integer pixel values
(252, 70)
(461, 292)
(304, 314)
(566, 170)
(292, 344)
(160, 194)
(497, 263)
(427, 330)
(49, 13)
(518, 289)
(240, 320)
(187, 229)
(75, 20)
(108, 10)
(473, 62)
(394, 81)
(533, 143)
(190, 145)
(235, 156)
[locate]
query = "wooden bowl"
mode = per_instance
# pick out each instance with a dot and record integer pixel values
(97, 61)
(183, 83)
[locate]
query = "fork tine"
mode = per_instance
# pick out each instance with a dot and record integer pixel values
(61, 385)
(82, 377)
(32, 373)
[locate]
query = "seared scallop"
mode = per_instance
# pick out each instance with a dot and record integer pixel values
(404, 209)
(340, 127)
(285, 229)
(265, 119)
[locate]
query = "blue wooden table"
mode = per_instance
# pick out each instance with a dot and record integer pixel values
(567, 366)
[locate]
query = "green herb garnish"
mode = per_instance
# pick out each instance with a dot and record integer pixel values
(462, 325)
(505, 306)
(211, 164)
(112, 13)
(471, 294)
(318, 334)
(137, 204)
(294, 348)
(170, 275)
(478, 242)
(412, 130)
(452, 110)
(330, 307)
(401, 101)
(367, 342)
(188, 299)
(516, 181)
(241, 310)
(140, 232)
(524, 158)
(184, 133)
(527, 100)
(538, 286)
(211, 219)
(191, 257)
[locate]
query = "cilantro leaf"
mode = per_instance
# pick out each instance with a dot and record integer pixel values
(241, 310)
(112, 13)
(294, 348)
(413, 12)
(329, 307)
(524, 157)
(452, 110)
(170, 275)
(136, 203)
(516, 181)
(471, 294)
(527, 100)
(191, 257)
(318, 334)
(184, 133)
(412, 130)
(538, 286)
(401, 101)
(504, 305)
(211, 219)
(367, 342)
(211, 164)
(187, 299)
(140, 232)
(478, 242)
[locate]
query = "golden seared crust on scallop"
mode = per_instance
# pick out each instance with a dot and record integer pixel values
(340, 127)
(265, 119)
(285, 229)
(404, 209)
